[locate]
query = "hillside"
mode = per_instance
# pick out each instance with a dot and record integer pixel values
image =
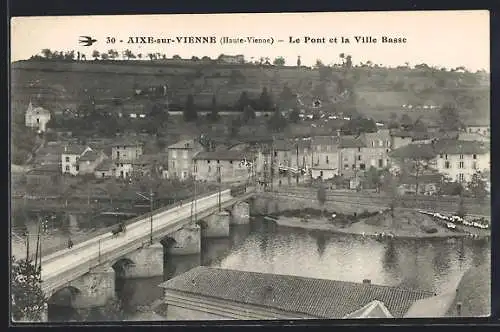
(378, 91)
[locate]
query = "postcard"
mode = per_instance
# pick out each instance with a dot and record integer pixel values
(278, 166)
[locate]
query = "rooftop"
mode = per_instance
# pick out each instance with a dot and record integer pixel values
(123, 141)
(105, 165)
(222, 155)
(418, 151)
(74, 149)
(352, 142)
(313, 297)
(90, 155)
(184, 144)
(461, 147)
(325, 140)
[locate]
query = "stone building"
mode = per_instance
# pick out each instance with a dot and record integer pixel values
(37, 117)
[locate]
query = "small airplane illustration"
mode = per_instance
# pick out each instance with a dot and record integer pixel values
(87, 41)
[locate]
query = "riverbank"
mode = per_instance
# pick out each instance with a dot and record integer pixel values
(406, 225)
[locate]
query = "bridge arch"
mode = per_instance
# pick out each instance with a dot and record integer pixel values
(64, 297)
(168, 242)
(120, 266)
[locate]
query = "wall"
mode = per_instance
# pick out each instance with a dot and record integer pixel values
(180, 162)
(126, 152)
(187, 241)
(147, 262)
(70, 161)
(217, 225)
(240, 213)
(482, 163)
(96, 287)
(230, 170)
(88, 167)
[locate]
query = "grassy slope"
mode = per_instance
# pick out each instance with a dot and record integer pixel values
(378, 89)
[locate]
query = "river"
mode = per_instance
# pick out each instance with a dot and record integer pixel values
(430, 264)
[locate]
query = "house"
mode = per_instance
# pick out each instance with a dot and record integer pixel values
(105, 169)
(89, 160)
(464, 136)
(283, 153)
(477, 126)
(70, 157)
(459, 160)
(400, 138)
(351, 155)
(230, 165)
(148, 164)
(180, 158)
(378, 145)
(325, 157)
(37, 117)
(206, 293)
(123, 153)
(233, 59)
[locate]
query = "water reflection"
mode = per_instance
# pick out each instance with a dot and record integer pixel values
(433, 265)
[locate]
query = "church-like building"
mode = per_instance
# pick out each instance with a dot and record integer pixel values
(37, 117)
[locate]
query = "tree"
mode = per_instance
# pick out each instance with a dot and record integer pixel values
(348, 62)
(342, 57)
(47, 53)
(449, 118)
(298, 61)
(95, 54)
(176, 57)
(104, 56)
(287, 94)
(113, 54)
(128, 54)
(406, 122)
(28, 299)
(413, 160)
(321, 195)
(235, 126)
(373, 178)
(477, 186)
(461, 212)
(248, 114)
(319, 63)
(243, 102)
(389, 184)
(277, 122)
(294, 115)
(279, 61)
(190, 113)
(265, 102)
(195, 58)
(214, 114)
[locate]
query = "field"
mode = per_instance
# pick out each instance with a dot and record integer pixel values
(380, 91)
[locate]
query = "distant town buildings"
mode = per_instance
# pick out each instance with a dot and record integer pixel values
(37, 117)
(233, 59)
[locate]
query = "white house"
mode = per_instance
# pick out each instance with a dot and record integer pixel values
(459, 160)
(37, 117)
(70, 158)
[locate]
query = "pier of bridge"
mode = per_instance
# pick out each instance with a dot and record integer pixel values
(84, 276)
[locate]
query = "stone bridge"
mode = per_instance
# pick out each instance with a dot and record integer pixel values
(84, 276)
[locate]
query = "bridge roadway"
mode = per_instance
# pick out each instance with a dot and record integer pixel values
(66, 265)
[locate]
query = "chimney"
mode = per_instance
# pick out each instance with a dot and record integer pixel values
(367, 281)
(459, 309)
(65, 148)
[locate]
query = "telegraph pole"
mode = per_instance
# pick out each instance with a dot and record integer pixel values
(150, 215)
(297, 155)
(272, 165)
(220, 184)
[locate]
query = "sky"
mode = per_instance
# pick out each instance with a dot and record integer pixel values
(438, 38)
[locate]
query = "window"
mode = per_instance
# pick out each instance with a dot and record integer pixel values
(77, 168)
(461, 156)
(446, 156)
(231, 162)
(173, 163)
(353, 166)
(388, 143)
(381, 143)
(346, 166)
(208, 161)
(441, 156)
(174, 154)
(474, 165)
(362, 166)
(359, 157)
(461, 177)
(380, 163)
(359, 149)
(102, 174)
(218, 161)
(275, 153)
(474, 156)
(67, 159)
(185, 154)
(326, 159)
(121, 165)
(321, 173)
(373, 144)
(461, 164)
(67, 168)
(447, 164)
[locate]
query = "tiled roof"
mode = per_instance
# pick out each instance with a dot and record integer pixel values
(313, 297)
(184, 144)
(383, 134)
(461, 147)
(436, 306)
(222, 155)
(352, 142)
(424, 151)
(374, 309)
(105, 165)
(325, 140)
(74, 149)
(127, 142)
(90, 155)
(401, 133)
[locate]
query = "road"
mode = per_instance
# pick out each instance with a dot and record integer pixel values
(71, 263)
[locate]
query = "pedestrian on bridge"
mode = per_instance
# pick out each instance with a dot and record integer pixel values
(70, 243)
